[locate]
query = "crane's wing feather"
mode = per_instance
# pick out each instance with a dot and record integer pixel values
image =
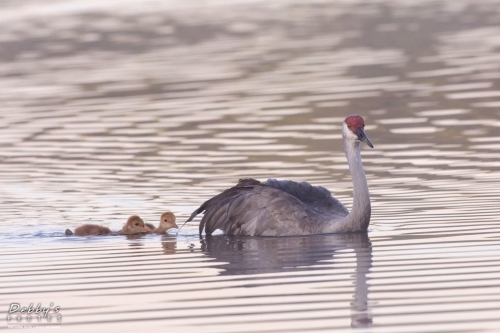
(316, 197)
(213, 208)
(255, 208)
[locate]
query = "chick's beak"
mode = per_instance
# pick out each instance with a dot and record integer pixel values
(362, 136)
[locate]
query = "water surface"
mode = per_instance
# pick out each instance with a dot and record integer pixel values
(109, 110)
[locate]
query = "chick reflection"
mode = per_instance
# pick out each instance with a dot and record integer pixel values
(169, 245)
(255, 255)
(134, 237)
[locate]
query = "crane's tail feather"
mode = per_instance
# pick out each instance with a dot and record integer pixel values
(196, 212)
(216, 207)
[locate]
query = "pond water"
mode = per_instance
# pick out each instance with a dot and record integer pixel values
(111, 108)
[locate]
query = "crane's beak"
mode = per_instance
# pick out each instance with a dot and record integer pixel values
(362, 136)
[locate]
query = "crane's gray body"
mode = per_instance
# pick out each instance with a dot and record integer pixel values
(286, 208)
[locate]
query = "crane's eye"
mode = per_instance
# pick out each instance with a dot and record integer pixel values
(165, 220)
(137, 224)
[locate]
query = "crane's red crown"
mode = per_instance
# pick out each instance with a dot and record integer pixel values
(354, 122)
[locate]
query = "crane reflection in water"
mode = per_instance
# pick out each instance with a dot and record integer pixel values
(260, 255)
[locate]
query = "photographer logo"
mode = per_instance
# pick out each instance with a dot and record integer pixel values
(32, 316)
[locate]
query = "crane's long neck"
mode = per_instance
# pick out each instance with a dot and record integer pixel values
(359, 216)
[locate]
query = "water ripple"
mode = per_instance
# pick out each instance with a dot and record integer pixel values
(109, 111)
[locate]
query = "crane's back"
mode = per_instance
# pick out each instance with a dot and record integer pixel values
(274, 208)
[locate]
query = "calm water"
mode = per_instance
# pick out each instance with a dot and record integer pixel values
(113, 108)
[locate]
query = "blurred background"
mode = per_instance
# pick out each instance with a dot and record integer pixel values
(112, 108)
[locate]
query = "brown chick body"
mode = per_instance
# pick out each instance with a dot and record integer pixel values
(167, 221)
(134, 225)
(89, 229)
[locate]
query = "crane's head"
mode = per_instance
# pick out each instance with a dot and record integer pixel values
(354, 129)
